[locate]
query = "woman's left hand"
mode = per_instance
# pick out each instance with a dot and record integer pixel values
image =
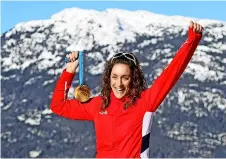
(196, 27)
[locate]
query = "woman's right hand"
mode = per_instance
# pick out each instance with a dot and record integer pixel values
(72, 66)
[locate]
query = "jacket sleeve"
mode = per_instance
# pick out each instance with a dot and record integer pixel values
(71, 108)
(154, 95)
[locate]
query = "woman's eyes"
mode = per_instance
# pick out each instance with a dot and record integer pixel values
(125, 78)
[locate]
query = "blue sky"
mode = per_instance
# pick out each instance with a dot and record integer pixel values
(14, 12)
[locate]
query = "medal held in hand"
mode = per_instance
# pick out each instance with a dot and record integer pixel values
(82, 91)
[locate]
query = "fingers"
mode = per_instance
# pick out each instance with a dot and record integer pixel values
(191, 24)
(196, 27)
(73, 56)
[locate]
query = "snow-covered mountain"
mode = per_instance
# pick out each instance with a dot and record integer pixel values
(191, 122)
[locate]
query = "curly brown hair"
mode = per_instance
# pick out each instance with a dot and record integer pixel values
(137, 85)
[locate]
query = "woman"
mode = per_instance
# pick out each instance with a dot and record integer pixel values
(122, 112)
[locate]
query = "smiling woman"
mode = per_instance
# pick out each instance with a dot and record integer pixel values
(126, 78)
(122, 114)
(120, 80)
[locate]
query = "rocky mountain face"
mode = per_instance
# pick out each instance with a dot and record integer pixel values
(191, 122)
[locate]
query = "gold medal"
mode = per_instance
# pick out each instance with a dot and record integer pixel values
(82, 92)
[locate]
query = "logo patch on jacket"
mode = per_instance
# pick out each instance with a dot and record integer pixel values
(103, 112)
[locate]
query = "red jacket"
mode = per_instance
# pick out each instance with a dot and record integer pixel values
(119, 131)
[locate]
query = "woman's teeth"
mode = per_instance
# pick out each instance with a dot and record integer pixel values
(120, 90)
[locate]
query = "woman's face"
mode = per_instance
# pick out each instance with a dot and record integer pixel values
(120, 80)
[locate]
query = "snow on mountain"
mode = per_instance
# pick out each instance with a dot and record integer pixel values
(190, 122)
